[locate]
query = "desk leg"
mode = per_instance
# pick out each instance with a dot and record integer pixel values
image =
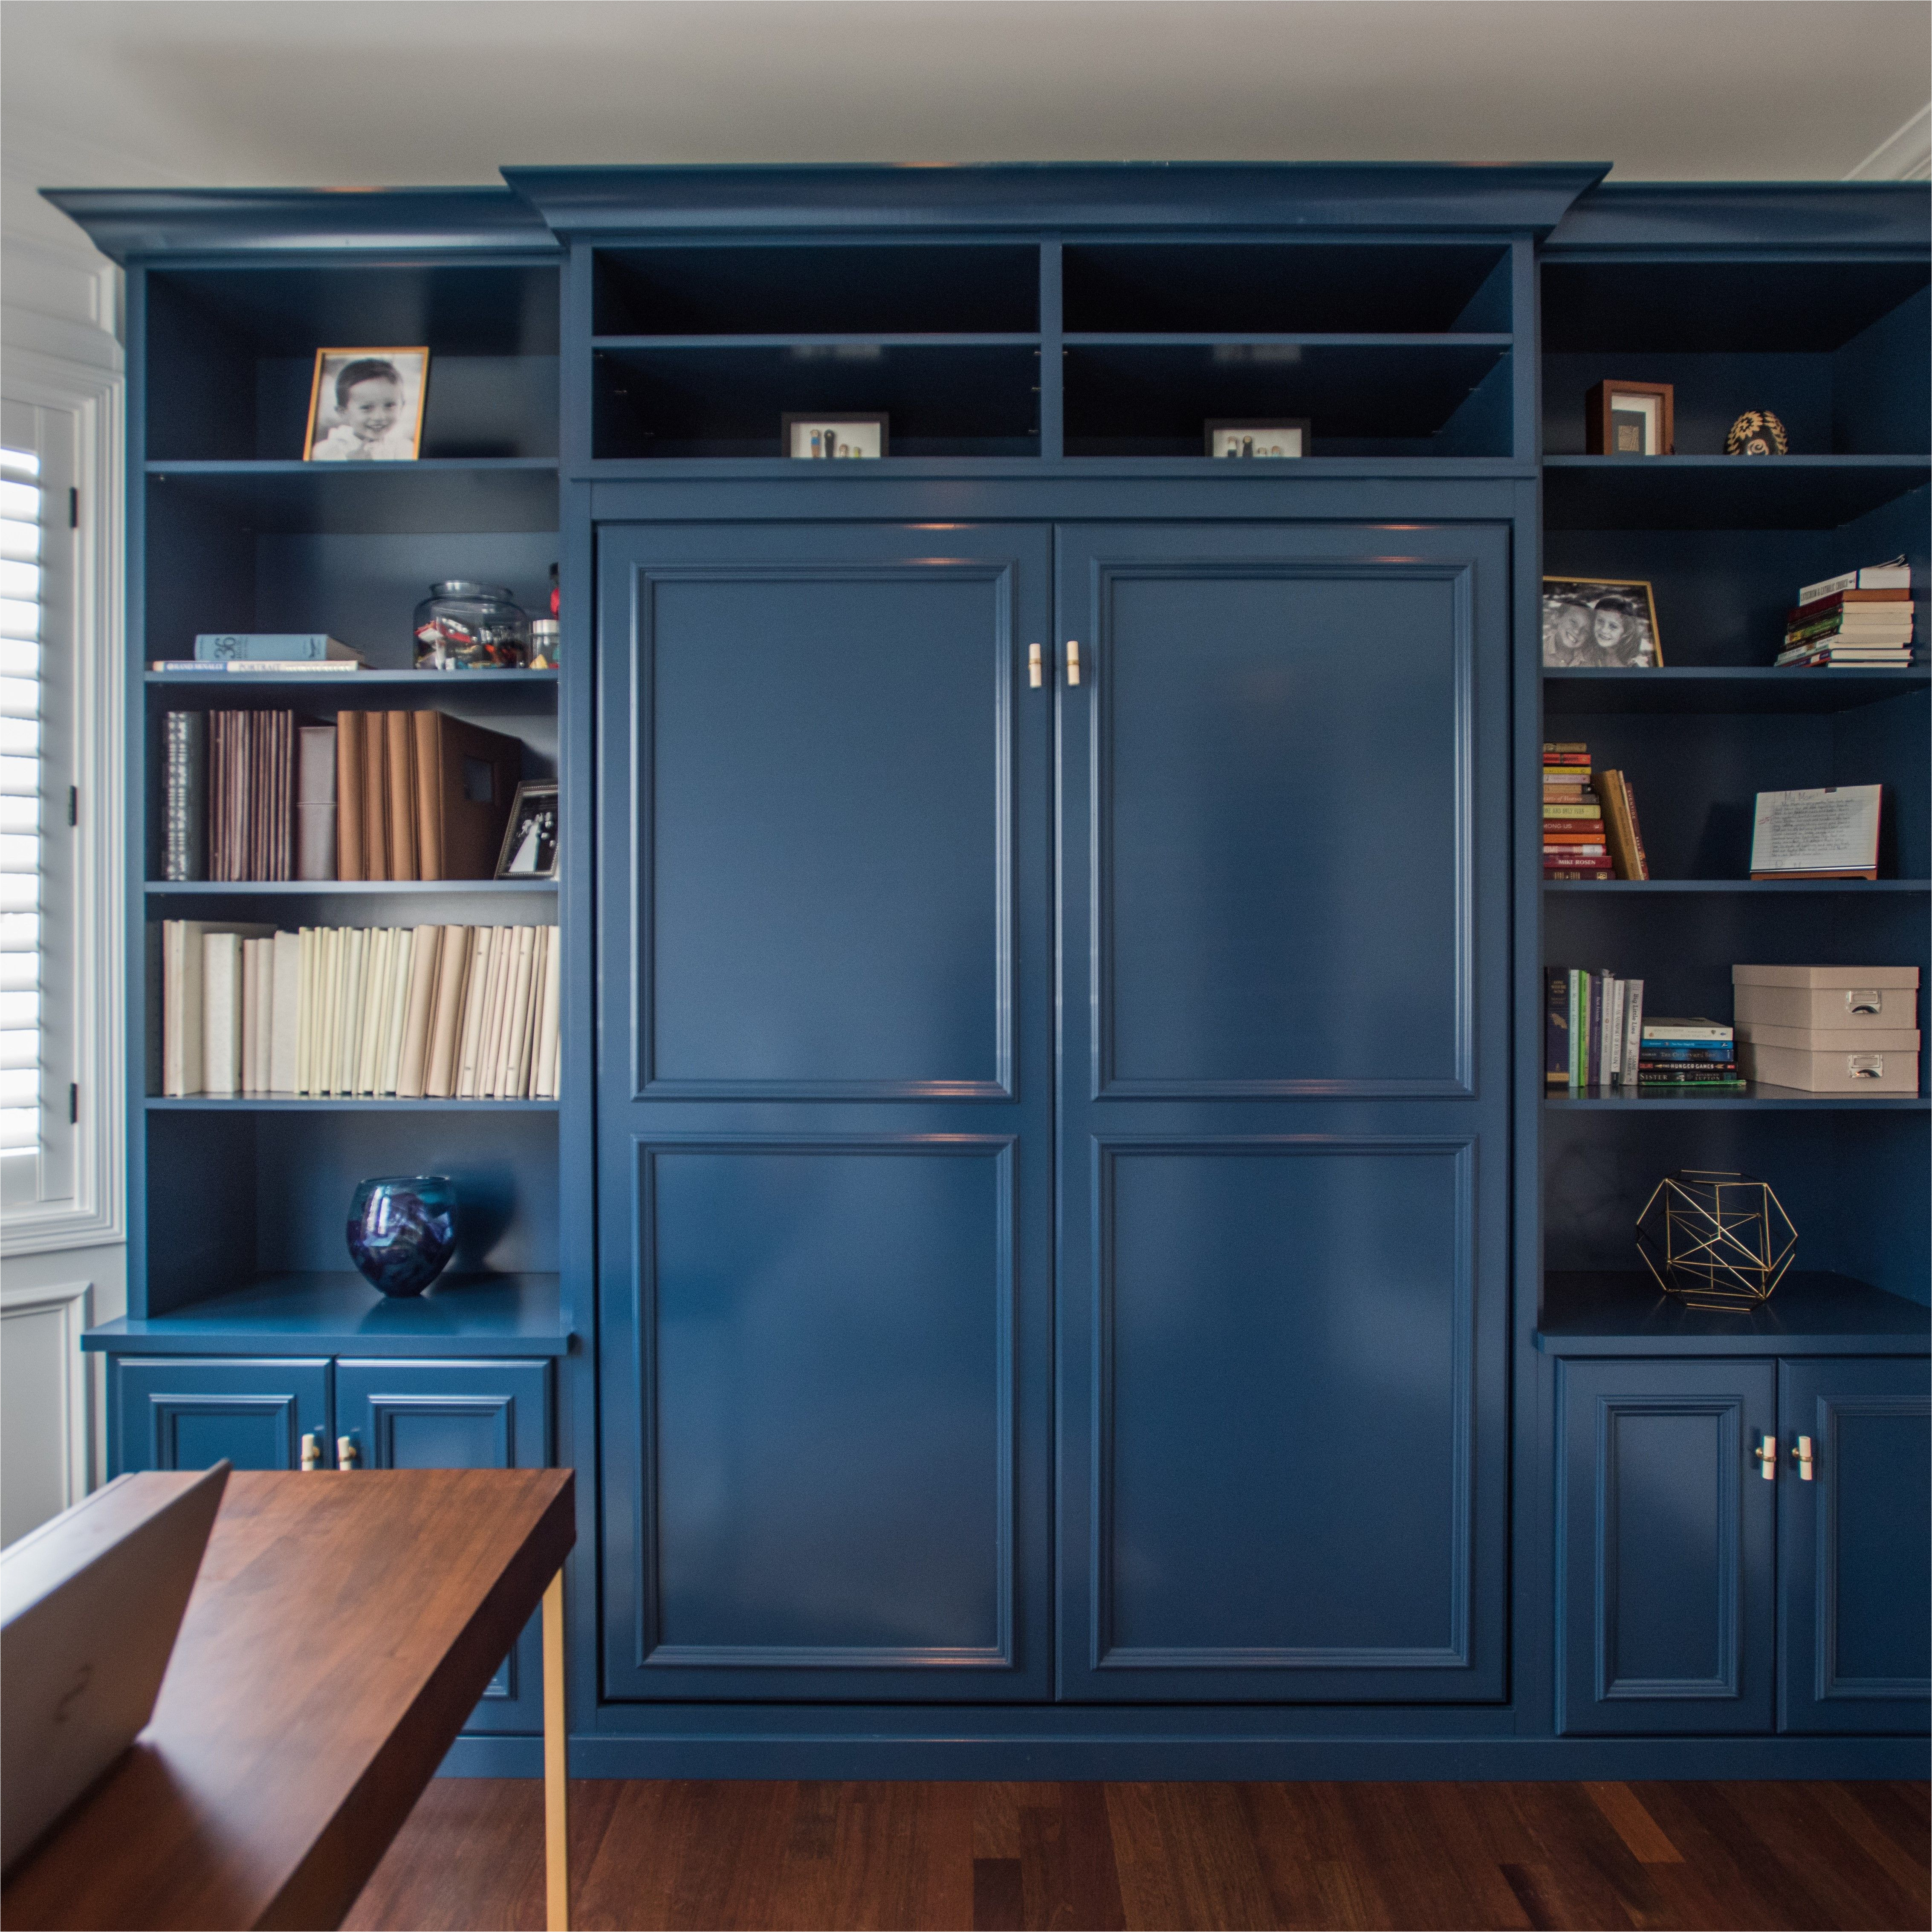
(556, 1763)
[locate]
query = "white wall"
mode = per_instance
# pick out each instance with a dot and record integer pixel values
(58, 321)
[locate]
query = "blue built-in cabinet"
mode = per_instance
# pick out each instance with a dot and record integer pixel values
(1054, 1256)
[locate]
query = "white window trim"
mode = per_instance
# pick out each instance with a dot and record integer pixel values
(74, 1301)
(97, 1214)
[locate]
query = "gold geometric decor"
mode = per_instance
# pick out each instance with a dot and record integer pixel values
(1716, 1240)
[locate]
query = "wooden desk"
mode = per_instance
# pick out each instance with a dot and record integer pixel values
(342, 1628)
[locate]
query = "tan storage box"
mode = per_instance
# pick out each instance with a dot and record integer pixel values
(1827, 999)
(1836, 1072)
(1831, 1039)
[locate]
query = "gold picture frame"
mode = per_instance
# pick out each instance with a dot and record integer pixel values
(381, 424)
(1600, 623)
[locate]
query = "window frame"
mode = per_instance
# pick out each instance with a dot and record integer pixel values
(95, 1212)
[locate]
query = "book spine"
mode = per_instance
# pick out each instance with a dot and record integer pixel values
(1579, 1025)
(184, 795)
(1556, 1030)
(1594, 1072)
(1634, 1029)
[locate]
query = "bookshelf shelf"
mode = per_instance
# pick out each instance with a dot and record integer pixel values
(1756, 887)
(1757, 1096)
(247, 888)
(330, 1312)
(1723, 493)
(487, 495)
(1720, 689)
(463, 686)
(1610, 1312)
(305, 1103)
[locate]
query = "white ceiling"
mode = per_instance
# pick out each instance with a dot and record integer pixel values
(230, 92)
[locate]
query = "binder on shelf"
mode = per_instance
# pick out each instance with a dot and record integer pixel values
(466, 779)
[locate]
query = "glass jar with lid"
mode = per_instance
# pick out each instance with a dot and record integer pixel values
(464, 626)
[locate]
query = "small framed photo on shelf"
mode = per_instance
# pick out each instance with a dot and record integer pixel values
(1629, 419)
(1600, 624)
(835, 436)
(1230, 435)
(529, 839)
(365, 406)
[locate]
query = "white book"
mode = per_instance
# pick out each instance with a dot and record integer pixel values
(502, 938)
(285, 1011)
(546, 1085)
(490, 1059)
(220, 1012)
(539, 983)
(513, 1063)
(252, 1015)
(472, 1012)
(402, 954)
(1896, 575)
(181, 1006)
(455, 974)
(304, 1007)
(375, 1008)
(424, 954)
(1634, 1029)
(355, 1007)
(1613, 1031)
(337, 947)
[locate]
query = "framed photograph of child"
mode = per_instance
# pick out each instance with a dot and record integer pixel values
(824, 435)
(1600, 624)
(529, 839)
(365, 406)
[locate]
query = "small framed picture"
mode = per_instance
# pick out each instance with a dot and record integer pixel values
(529, 839)
(836, 435)
(1629, 419)
(365, 405)
(1600, 623)
(1287, 436)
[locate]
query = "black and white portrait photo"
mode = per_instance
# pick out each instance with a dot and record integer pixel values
(1589, 624)
(529, 841)
(365, 405)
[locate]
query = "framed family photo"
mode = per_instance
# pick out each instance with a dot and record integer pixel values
(1600, 624)
(365, 406)
(1282, 435)
(529, 839)
(837, 435)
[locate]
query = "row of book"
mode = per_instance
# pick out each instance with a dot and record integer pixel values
(1589, 828)
(436, 1011)
(253, 795)
(1596, 1035)
(1861, 619)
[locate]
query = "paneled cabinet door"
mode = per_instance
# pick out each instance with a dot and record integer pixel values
(1284, 1110)
(459, 1415)
(825, 1103)
(1665, 1534)
(188, 1411)
(1855, 1546)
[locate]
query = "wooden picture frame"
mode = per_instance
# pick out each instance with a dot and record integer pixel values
(1650, 417)
(343, 428)
(1278, 431)
(1578, 631)
(797, 426)
(534, 800)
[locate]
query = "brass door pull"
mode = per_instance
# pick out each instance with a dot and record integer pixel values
(1033, 670)
(1073, 661)
(1801, 1454)
(1766, 1452)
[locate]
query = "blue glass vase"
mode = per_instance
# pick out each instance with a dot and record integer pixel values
(402, 1230)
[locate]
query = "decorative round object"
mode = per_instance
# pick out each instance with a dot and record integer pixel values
(402, 1230)
(1715, 1240)
(465, 626)
(1757, 432)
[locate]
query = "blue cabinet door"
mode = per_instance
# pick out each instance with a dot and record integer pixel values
(1284, 1112)
(1855, 1546)
(825, 1073)
(1665, 1529)
(408, 1414)
(187, 1412)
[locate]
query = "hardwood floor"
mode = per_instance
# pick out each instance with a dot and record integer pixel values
(994, 1856)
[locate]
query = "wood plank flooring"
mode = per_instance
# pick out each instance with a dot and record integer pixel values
(731, 1855)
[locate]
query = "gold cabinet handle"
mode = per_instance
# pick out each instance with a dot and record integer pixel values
(1073, 661)
(1801, 1454)
(1766, 1452)
(1033, 670)
(347, 1454)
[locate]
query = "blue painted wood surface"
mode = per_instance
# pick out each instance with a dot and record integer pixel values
(1855, 1546)
(189, 1412)
(1283, 1113)
(826, 1095)
(1665, 1538)
(415, 1414)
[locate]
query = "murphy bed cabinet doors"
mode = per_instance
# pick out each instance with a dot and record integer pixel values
(1695, 1596)
(833, 902)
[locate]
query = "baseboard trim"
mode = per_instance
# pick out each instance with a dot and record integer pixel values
(1189, 1760)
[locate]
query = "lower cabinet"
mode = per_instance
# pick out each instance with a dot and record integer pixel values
(185, 1412)
(1743, 1543)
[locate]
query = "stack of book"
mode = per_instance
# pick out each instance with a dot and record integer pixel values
(1862, 619)
(1594, 1024)
(251, 795)
(251, 651)
(1573, 844)
(437, 1011)
(1688, 1056)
